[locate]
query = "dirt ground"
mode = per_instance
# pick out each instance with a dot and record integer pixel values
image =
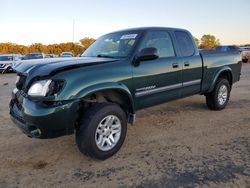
(177, 144)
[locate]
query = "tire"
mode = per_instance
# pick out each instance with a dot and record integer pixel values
(244, 60)
(217, 100)
(7, 70)
(92, 127)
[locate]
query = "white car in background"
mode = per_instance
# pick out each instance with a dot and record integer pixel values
(245, 54)
(7, 61)
(66, 54)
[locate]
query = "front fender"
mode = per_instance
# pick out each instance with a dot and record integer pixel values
(107, 86)
(217, 74)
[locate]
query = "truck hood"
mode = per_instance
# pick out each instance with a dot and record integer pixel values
(45, 67)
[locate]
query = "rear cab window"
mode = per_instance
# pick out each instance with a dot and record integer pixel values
(185, 43)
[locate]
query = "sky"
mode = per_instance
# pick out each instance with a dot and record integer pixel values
(51, 21)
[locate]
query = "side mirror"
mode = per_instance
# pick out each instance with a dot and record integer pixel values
(147, 54)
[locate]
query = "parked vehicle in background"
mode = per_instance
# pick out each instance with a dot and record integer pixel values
(6, 62)
(66, 54)
(50, 56)
(245, 54)
(245, 51)
(34, 56)
(228, 48)
(97, 94)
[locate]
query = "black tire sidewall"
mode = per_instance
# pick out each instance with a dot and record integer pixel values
(218, 86)
(88, 126)
(244, 60)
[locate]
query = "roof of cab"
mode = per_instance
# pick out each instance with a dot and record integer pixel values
(150, 28)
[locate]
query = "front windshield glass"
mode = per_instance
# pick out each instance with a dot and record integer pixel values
(6, 58)
(114, 45)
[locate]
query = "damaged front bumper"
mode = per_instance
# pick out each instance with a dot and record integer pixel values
(39, 120)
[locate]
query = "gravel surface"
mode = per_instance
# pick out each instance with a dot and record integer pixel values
(177, 144)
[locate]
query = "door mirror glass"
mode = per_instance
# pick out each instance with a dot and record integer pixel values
(147, 54)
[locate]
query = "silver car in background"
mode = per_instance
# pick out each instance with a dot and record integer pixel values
(7, 60)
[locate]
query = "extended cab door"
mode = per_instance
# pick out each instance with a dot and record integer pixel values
(192, 63)
(159, 80)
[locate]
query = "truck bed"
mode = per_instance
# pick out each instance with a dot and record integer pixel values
(212, 60)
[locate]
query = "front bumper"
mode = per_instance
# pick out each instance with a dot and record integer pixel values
(38, 120)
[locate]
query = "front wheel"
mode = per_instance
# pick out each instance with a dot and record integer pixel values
(219, 97)
(102, 130)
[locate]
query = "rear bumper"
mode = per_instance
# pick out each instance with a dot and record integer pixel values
(40, 121)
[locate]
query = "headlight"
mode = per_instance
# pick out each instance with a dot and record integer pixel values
(40, 88)
(17, 79)
(44, 88)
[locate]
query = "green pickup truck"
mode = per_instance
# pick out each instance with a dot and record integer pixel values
(97, 94)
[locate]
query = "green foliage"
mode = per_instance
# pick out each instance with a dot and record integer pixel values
(209, 41)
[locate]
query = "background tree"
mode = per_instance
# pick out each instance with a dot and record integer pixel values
(209, 41)
(197, 41)
(38, 47)
(86, 42)
(13, 48)
(75, 48)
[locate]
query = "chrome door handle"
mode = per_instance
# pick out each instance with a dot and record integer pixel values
(175, 65)
(186, 64)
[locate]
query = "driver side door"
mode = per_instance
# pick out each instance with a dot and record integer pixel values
(159, 80)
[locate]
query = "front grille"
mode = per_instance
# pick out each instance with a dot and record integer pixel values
(21, 82)
(13, 114)
(15, 109)
(19, 106)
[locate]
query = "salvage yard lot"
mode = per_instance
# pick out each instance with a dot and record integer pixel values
(180, 143)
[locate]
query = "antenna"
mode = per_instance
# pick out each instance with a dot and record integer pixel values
(73, 31)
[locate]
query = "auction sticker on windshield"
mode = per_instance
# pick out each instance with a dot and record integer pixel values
(129, 36)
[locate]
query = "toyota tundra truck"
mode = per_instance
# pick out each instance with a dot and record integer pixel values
(96, 95)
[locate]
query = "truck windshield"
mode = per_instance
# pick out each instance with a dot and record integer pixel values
(114, 45)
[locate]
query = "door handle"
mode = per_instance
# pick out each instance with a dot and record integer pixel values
(186, 64)
(175, 65)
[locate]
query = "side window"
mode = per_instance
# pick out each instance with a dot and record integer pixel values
(161, 41)
(185, 43)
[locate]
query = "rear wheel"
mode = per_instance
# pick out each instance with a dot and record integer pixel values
(219, 97)
(102, 130)
(245, 60)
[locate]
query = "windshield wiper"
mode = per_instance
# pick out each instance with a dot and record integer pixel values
(102, 55)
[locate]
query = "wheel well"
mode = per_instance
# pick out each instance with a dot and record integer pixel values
(227, 75)
(113, 96)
